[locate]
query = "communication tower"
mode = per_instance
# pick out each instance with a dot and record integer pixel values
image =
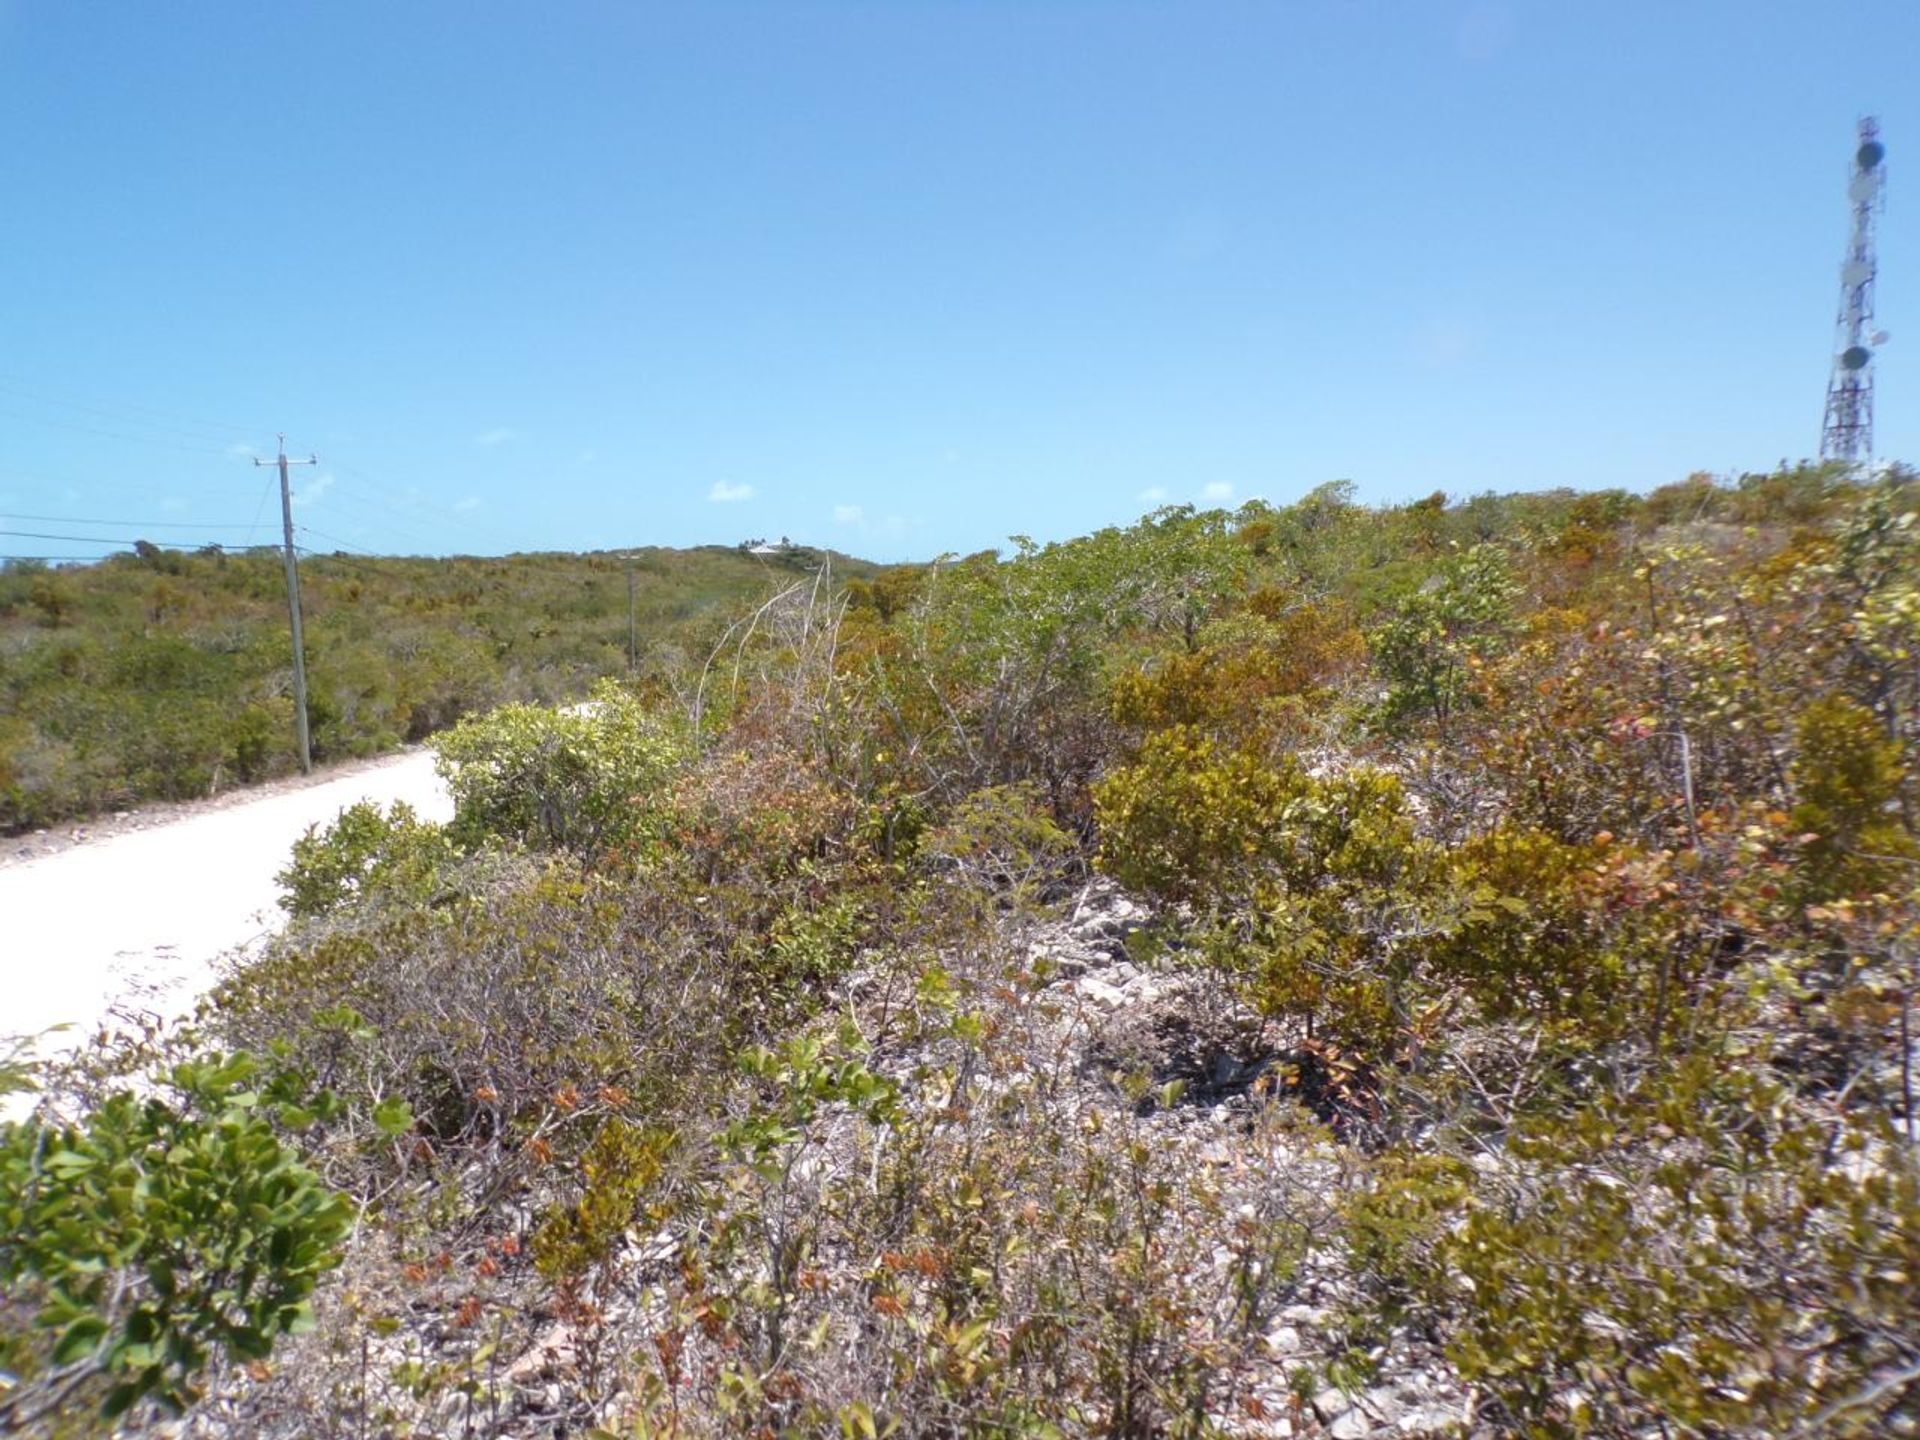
(1847, 433)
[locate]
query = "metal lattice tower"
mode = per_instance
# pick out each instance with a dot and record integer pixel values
(1847, 433)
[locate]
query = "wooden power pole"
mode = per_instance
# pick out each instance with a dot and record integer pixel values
(293, 606)
(633, 631)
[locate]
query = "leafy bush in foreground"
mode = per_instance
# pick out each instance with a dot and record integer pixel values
(151, 1237)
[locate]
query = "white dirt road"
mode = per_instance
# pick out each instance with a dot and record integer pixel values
(137, 920)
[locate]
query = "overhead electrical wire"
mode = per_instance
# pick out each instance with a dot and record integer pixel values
(254, 524)
(110, 434)
(130, 524)
(344, 544)
(103, 404)
(439, 513)
(122, 543)
(356, 497)
(119, 416)
(82, 539)
(110, 488)
(354, 500)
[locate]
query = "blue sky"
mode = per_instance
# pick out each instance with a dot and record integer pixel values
(908, 277)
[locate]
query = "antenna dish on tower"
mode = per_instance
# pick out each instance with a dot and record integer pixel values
(1847, 431)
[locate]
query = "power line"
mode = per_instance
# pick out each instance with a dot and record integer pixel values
(131, 524)
(83, 539)
(109, 434)
(356, 497)
(351, 494)
(439, 513)
(124, 542)
(368, 520)
(121, 417)
(266, 490)
(11, 382)
(110, 483)
(344, 544)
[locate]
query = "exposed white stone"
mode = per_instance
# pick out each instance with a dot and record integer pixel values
(1433, 1417)
(1283, 1340)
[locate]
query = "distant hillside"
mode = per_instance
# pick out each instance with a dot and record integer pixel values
(161, 674)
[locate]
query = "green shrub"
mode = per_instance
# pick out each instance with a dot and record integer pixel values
(366, 856)
(1315, 891)
(619, 1166)
(587, 778)
(1849, 775)
(151, 1235)
(1546, 931)
(1686, 1256)
(1440, 633)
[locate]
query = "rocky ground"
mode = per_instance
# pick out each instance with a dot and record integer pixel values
(1093, 1009)
(1179, 1027)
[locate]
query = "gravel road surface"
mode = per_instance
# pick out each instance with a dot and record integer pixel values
(134, 914)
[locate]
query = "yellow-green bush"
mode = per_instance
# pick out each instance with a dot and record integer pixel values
(591, 777)
(1314, 891)
(1687, 1255)
(1849, 777)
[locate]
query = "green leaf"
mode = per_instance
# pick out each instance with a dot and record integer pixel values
(78, 1339)
(65, 1164)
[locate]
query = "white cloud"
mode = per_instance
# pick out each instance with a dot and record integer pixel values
(849, 515)
(242, 452)
(1218, 490)
(1153, 494)
(726, 492)
(499, 435)
(310, 493)
(174, 504)
(467, 502)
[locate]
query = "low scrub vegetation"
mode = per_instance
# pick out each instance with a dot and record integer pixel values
(164, 675)
(1308, 970)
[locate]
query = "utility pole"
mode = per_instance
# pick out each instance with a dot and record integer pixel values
(633, 632)
(293, 606)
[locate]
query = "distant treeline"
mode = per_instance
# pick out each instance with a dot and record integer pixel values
(163, 674)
